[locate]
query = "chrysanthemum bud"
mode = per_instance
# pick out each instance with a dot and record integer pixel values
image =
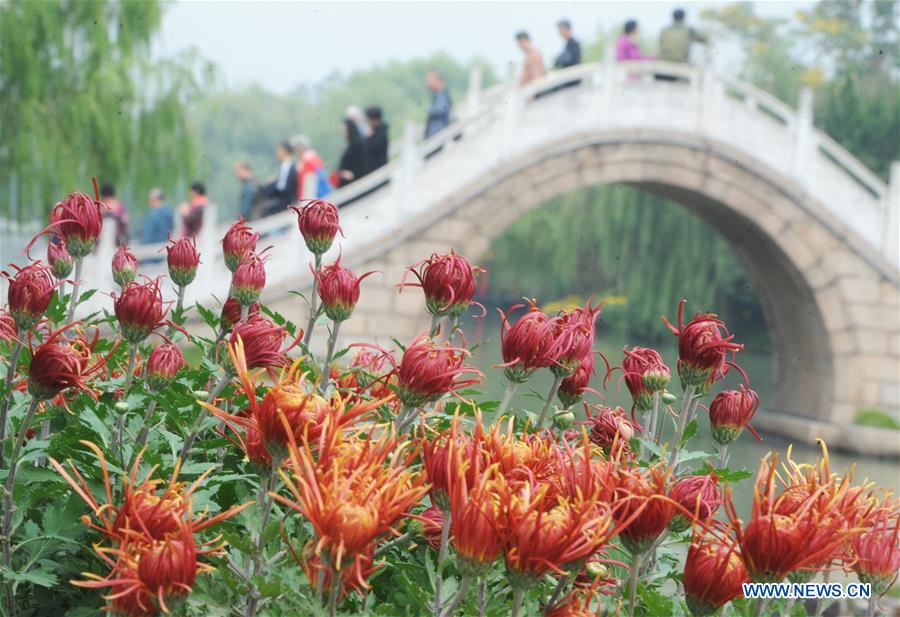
(572, 388)
(448, 282)
(432, 524)
(729, 412)
(319, 223)
(248, 280)
(428, 371)
(703, 346)
(525, 346)
(713, 576)
(596, 570)
(169, 567)
(231, 313)
(645, 373)
(139, 310)
(574, 337)
(61, 262)
(182, 258)
(668, 398)
(124, 266)
(338, 288)
(58, 364)
(78, 220)
(239, 240)
(610, 428)
(563, 419)
(696, 494)
(29, 294)
(262, 339)
(163, 365)
(877, 552)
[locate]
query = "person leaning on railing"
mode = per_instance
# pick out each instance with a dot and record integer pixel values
(675, 43)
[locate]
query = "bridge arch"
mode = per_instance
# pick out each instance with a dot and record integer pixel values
(825, 363)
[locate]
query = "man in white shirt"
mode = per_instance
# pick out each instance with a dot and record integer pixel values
(282, 191)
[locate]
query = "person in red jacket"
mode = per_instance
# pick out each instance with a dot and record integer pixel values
(312, 179)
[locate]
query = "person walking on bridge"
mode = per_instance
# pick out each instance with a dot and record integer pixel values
(533, 65)
(571, 53)
(312, 178)
(376, 140)
(675, 42)
(282, 190)
(192, 210)
(627, 47)
(441, 105)
(158, 224)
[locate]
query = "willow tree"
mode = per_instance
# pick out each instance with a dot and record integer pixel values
(81, 97)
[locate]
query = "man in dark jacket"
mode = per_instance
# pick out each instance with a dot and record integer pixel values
(377, 140)
(282, 190)
(571, 53)
(441, 105)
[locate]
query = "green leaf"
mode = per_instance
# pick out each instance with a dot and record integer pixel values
(41, 578)
(89, 417)
(727, 475)
(689, 431)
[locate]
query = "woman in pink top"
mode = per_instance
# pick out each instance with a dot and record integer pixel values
(626, 47)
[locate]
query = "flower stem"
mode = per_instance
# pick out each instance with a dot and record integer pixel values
(76, 286)
(482, 596)
(4, 405)
(141, 440)
(313, 305)
(561, 585)
(334, 592)
(198, 423)
(633, 583)
(760, 607)
(723, 457)
(405, 418)
(508, 395)
(392, 543)
(325, 377)
(518, 596)
(118, 446)
(819, 604)
(870, 607)
(458, 597)
(435, 328)
(179, 305)
(686, 404)
(442, 555)
(265, 501)
(557, 380)
(9, 503)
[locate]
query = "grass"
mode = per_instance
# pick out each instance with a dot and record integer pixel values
(876, 418)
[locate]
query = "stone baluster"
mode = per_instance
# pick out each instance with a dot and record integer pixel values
(403, 180)
(892, 216)
(510, 109)
(607, 83)
(212, 272)
(473, 93)
(803, 134)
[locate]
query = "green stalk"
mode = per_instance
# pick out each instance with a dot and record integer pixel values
(76, 287)
(442, 555)
(178, 307)
(144, 433)
(9, 504)
(557, 380)
(458, 597)
(334, 592)
(313, 305)
(632, 591)
(265, 501)
(508, 395)
(518, 596)
(325, 376)
(4, 404)
(686, 404)
(198, 423)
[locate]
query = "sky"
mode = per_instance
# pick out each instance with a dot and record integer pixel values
(282, 44)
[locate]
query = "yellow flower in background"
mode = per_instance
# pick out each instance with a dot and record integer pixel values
(812, 77)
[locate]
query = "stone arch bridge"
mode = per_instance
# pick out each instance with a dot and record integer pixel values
(815, 230)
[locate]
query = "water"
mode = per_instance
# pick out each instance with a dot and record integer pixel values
(745, 454)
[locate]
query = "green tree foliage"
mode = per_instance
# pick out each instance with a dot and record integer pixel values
(847, 51)
(248, 123)
(81, 98)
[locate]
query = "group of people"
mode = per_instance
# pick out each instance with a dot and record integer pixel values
(301, 174)
(675, 43)
(160, 220)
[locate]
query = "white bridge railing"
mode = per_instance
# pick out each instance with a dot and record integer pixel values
(495, 123)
